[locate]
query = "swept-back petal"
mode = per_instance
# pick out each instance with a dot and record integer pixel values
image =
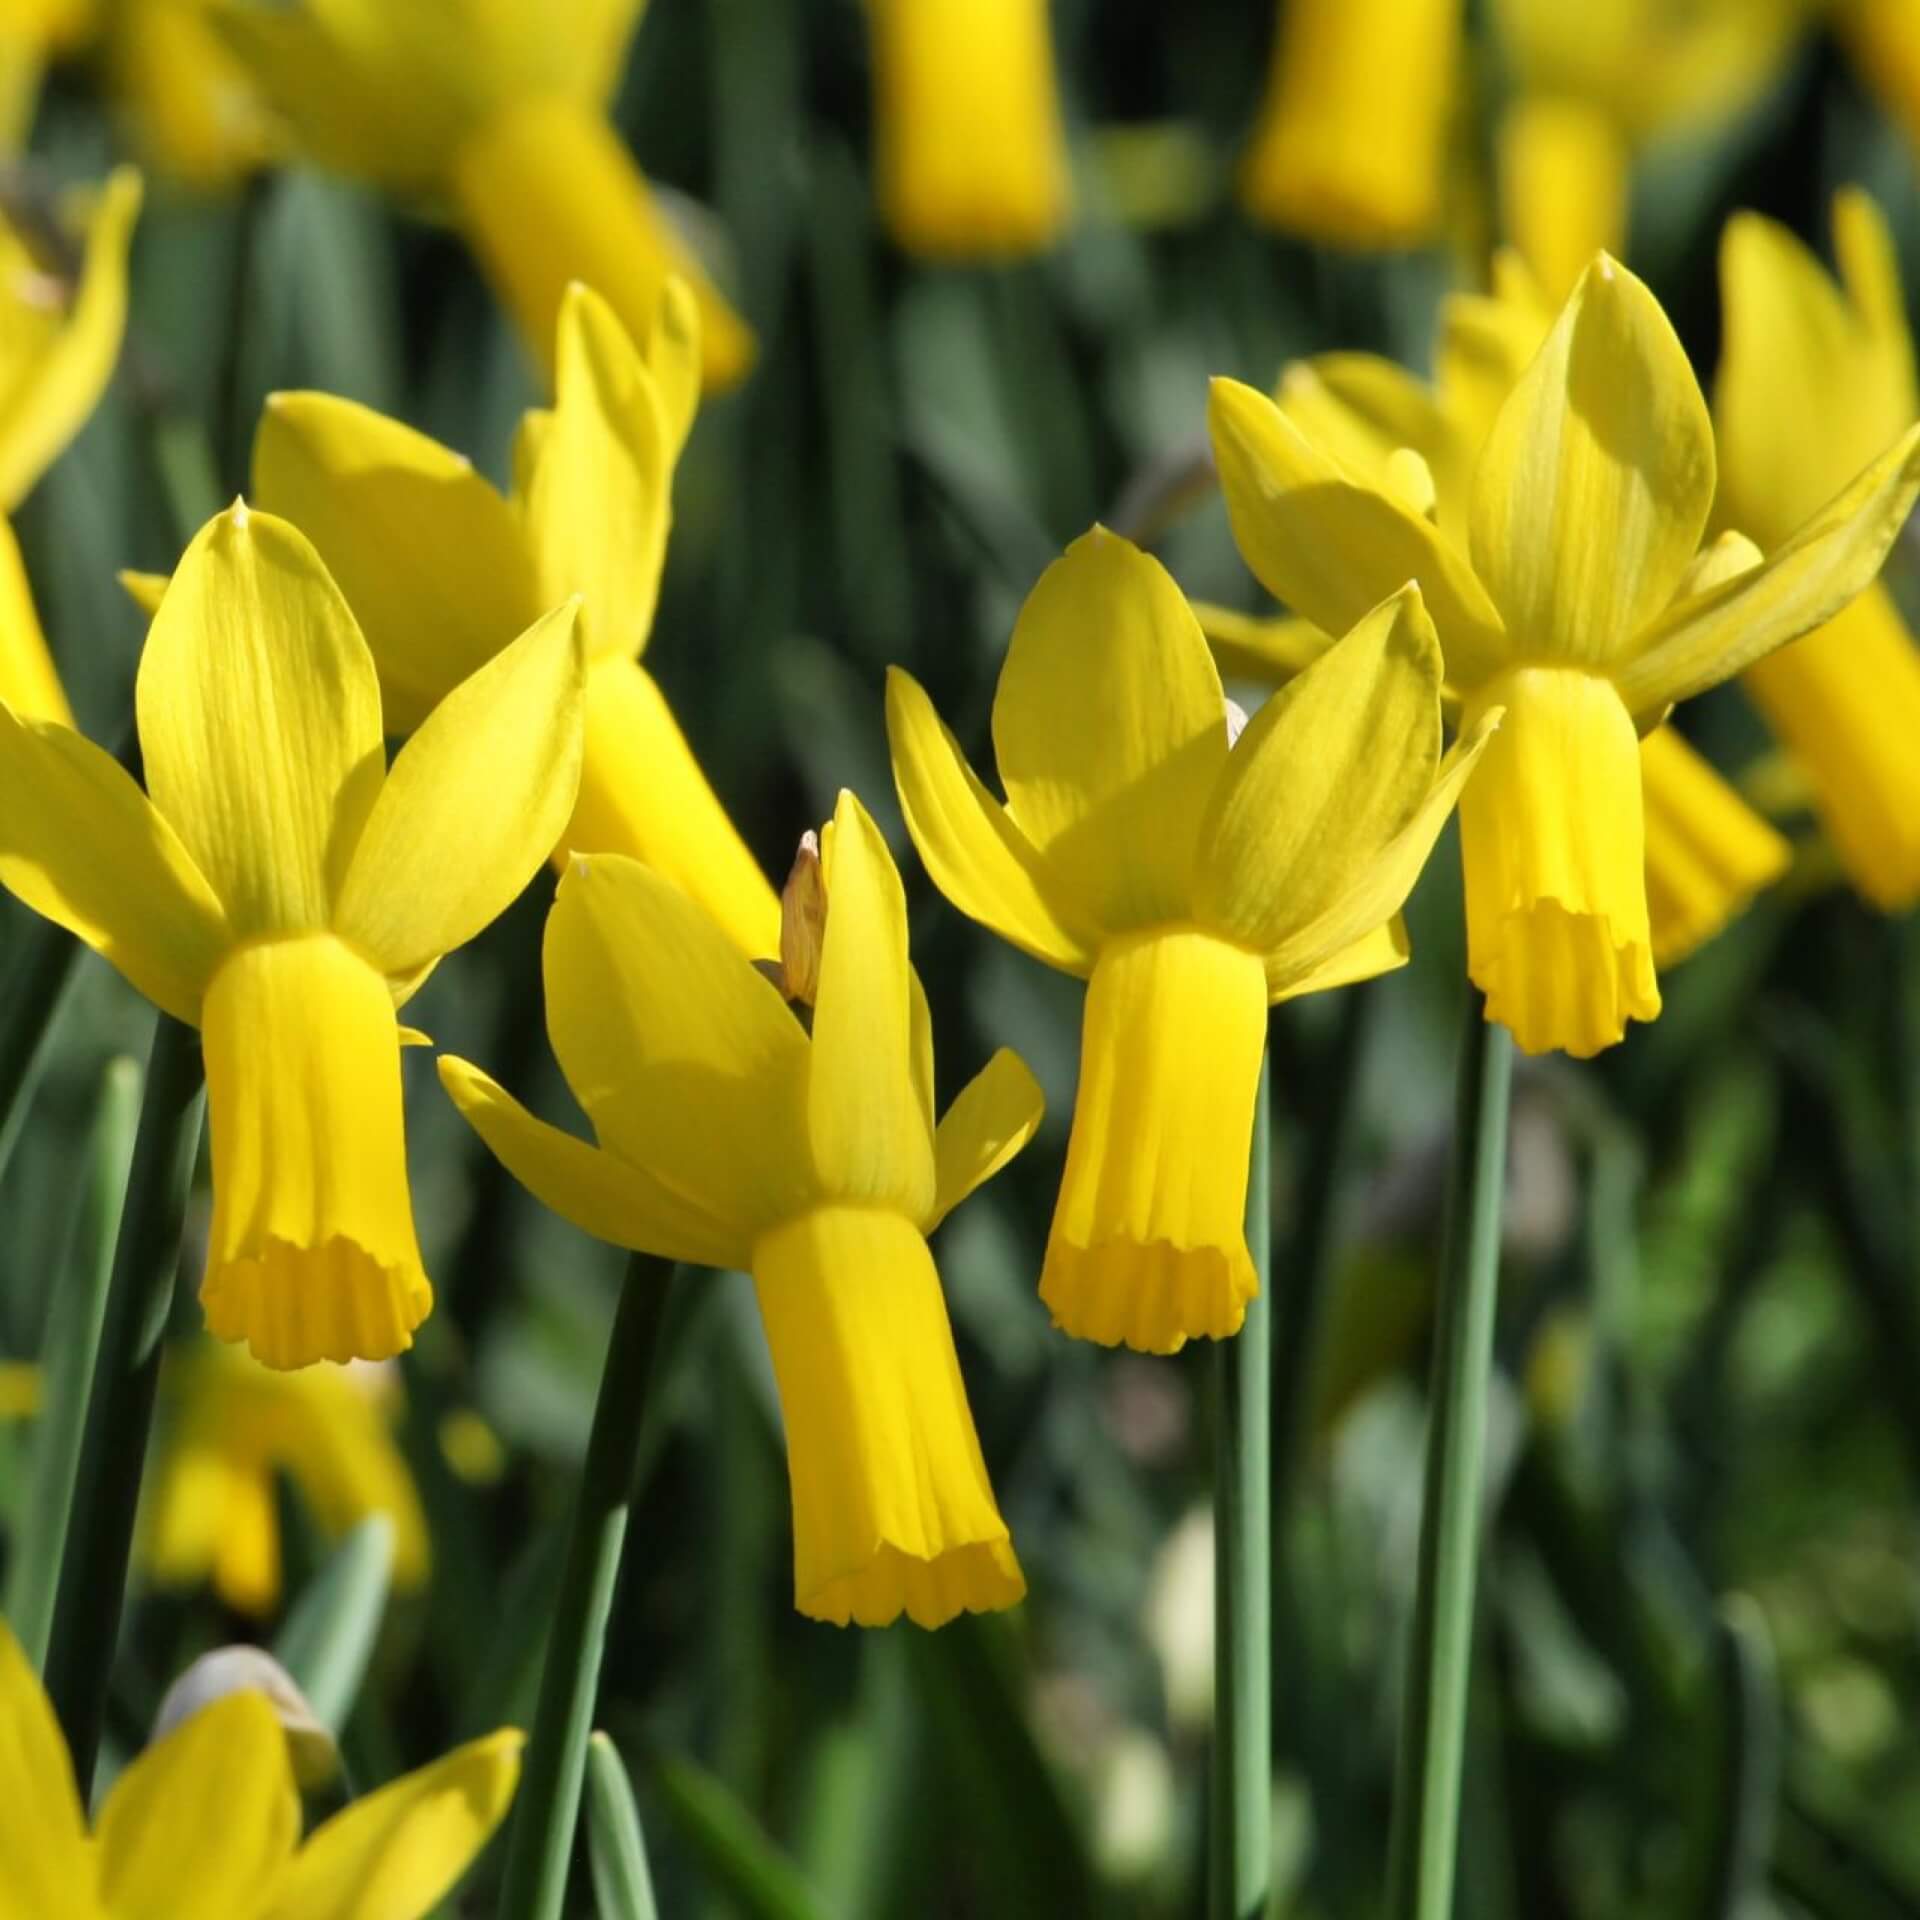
(473, 805)
(1709, 637)
(1591, 493)
(684, 1056)
(1331, 546)
(977, 856)
(1327, 772)
(28, 682)
(205, 1820)
(43, 1834)
(432, 560)
(992, 1117)
(1262, 648)
(1109, 725)
(601, 1193)
(80, 843)
(871, 1143)
(599, 497)
(394, 1854)
(1385, 950)
(259, 715)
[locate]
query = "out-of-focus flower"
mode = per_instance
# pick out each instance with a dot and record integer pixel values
(20, 1389)
(1815, 379)
(211, 1509)
(1191, 880)
(190, 107)
(589, 514)
(731, 1136)
(32, 33)
(1883, 36)
(1582, 605)
(971, 158)
(284, 892)
(500, 110)
(1350, 144)
(207, 1820)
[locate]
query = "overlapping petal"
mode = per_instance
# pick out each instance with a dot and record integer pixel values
(43, 1835)
(29, 683)
(992, 1117)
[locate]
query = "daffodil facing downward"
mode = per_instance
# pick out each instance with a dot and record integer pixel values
(499, 110)
(732, 1134)
(207, 1821)
(1192, 880)
(280, 888)
(1580, 603)
(588, 514)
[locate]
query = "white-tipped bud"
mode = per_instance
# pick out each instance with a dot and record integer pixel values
(315, 1754)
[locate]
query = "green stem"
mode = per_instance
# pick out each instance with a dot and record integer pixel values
(547, 1810)
(93, 1569)
(1426, 1811)
(43, 961)
(1242, 1787)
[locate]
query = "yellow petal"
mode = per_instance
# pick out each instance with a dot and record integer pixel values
(643, 794)
(1709, 637)
(1385, 950)
(28, 682)
(1846, 701)
(548, 195)
(260, 719)
(205, 1820)
(892, 1509)
(1360, 408)
(1555, 860)
(1565, 174)
(395, 1854)
(435, 601)
(611, 1198)
(975, 853)
(684, 1056)
(599, 497)
(1267, 650)
(312, 1254)
(1148, 1244)
(672, 350)
(1109, 726)
(46, 396)
(473, 805)
(1486, 343)
(1332, 547)
(1325, 775)
(1591, 493)
(80, 843)
(145, 590)
(871, 1142)
(1708, 852)
(43, 1835)
(970, 157)
(992, 1118)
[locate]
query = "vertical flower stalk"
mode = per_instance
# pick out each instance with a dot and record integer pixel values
(1426, 1810)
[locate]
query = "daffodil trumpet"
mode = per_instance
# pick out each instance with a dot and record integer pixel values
(1192, 880)
(733, 1135)
(1581, 602)
(279, 888)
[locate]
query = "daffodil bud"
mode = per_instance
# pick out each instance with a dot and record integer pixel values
(240, 1669)
(803, 923)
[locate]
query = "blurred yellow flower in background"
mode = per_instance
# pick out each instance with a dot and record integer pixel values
(20, 1389)
(283, 891)
(32, 33)
(207, 1821)
(589, 514)
(1581, 604)
(501, 111)
(1815, 379)
(1350, 144)
(190, 108)
(732, 1135)
(970, 154)
(1191, 880)
(211, 1510)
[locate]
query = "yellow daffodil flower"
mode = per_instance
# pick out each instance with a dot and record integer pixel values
(1350, 144)
(61, 321)
(500, 110)
(190, 108)
(1580, 603)
(32, 33)
(731, 1136)
(234, 1426)
(1883, 36)
(1595, 84)
(1192, 881)
(971, 159)
(1708, 852)
(1815, 379)
(285, 892)
(588, 515)
(207, 1821)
